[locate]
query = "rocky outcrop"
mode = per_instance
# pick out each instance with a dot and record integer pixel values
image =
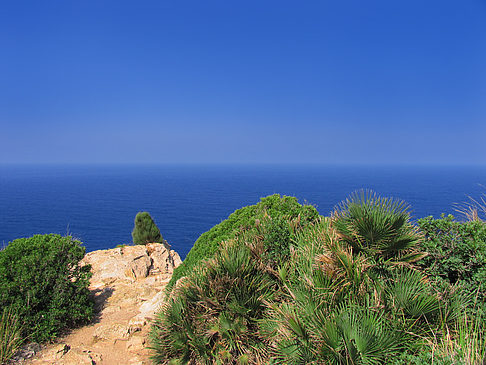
(131, 263)
(127, 286)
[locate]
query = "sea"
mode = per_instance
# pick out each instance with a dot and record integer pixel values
(98, 203)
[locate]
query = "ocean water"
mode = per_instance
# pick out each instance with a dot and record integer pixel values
(97, 204)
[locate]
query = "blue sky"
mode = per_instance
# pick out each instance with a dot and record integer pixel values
(344, 82)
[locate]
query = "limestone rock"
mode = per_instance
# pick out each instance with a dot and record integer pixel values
(135, 344)
(55, 353)
(163, 258)
(130, 263)
(135, 361)
(148, 309)
(79, 357)
(139, 267)
(137, 323)
(176, 259)
(112, 332)
(27, 351)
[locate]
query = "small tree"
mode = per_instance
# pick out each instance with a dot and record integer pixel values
(145, 230)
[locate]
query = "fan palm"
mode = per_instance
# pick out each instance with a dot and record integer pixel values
(213, 315)
(348, 333)
(380, 228)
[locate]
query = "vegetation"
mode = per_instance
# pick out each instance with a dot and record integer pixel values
(145, 230)
(276, 283)
(474, 209)
(214, 315)
(457, 256)
(42, 283)
(302, 289)
(337, 309)
(10, 334)
(275, 209)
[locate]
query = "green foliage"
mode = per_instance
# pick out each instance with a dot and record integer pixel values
(457, 255)
(213, 316)
(290, 287)
(378, 227)
(121, 245)
(10, 334)
(278, 209)
(145, 230)
(463, 343)
(335, 310)
(41, 280)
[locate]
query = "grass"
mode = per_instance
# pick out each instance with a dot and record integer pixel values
(473, 209)
(10, 337)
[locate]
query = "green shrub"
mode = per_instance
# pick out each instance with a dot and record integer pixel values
(335, 311)
(214, 314)
(380, 228)
(457, 254)
(290, 287)
(145, 230)
(213, 317)
(41, 280)
(274, 207)
(10, 334)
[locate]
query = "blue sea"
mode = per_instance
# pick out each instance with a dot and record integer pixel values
(97, 204)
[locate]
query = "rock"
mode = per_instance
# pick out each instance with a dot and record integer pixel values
(112, 309)
(176, 259)
(97, 358)
(131, 263)
(112, 332)
(56, 352)
(139, 267)
(137, 323)
(135, 361)
(109, 266)
(148, 309)
(79, 357)
(135, 343)
(163, 258)
(27, 351)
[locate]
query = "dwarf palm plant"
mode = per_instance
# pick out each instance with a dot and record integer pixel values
(336, 311)
(330, 313)
(380, 228)
(213, 315)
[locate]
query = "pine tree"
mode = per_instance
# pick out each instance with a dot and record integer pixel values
(145, 230)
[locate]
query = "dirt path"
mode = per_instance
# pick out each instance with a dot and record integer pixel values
(117, 336)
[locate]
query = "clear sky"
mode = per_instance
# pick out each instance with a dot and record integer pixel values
(382, 82)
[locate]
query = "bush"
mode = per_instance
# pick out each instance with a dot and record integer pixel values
(457, 254)
(378, 227)
(145, 230)
(272, 207)
(213, 317)
(215, 313)
(40, 278)
(334, 310)
(289, 288)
